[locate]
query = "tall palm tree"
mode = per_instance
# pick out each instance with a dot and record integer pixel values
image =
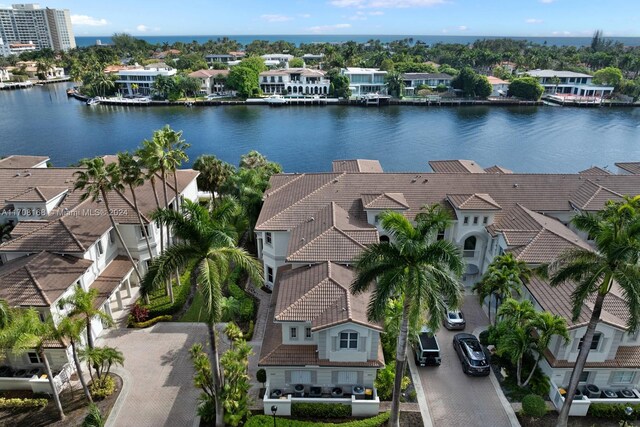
(547, 325)
(175, 148)
(616, 233)
(132, 176)
(148, 158)
(71, 329)
(416, 267)
(213, 174)
(27, 332)
(82, 303)
(97, 180)
(205, 242)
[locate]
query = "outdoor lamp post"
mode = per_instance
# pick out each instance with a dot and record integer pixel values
(274, 409)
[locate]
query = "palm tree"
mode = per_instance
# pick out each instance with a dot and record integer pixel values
(547, 325)
(71, 329)
(132, 176)
(5, 232)
(205, 242)
(616, 233)
(97, 180)
(82, 303)
(175, 147)
(416, 267)
(395, 83)
(213, 174)
(27, 332)
(102, 359)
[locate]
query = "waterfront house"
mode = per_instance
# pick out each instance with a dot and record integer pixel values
(31, 68)
(212, 81)
(143, 78)
(5, 75)
(314, 218)
(60, 242)
(499, 86)
(231, 58)
(412, 81)
(277, 60)
(363, 81)
(294, 81)
(569, 83)
(165, 53)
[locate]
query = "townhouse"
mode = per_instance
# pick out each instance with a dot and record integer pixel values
(313, 225)
(292, 81)
(60, 242)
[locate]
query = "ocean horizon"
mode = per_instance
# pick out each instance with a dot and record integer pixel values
(299, 39)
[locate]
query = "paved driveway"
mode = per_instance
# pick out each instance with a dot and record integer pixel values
(454, 398)
(158, 373)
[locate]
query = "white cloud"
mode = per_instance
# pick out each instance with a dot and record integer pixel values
(463, 28)
(376, 13)
(88, 20)
(561, 33)
(275, 18)
(533, 21)
(142, 28)
(327, 28)
(547, 1)
(359, 16)
(305, 15)
(385, 4)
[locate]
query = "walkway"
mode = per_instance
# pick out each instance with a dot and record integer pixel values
(455, 399)
(159, 390)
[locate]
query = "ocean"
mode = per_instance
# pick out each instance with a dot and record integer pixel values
(307, 39)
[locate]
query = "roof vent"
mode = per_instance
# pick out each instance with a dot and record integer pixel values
(28, 174)
(302, 240)
(413, 180)
(425, 180)
(515, 185)
(17, 174)
(311, 219)
(335, 180)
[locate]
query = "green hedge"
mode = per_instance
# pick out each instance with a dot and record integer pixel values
(160, 304)
(247, 304)
(534, 406)
(319, 410)
(267, 421)
(22, 403)
(614, 411)
(150, 322)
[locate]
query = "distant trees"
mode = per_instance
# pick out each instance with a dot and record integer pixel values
(472, 84)
(339, 86)
(526, 88)
(296, 63)
(611, 76)
(244, 81)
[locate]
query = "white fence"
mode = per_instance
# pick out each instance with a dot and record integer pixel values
(580, 407)
(359, 407)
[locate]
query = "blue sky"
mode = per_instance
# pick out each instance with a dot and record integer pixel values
(416, 17)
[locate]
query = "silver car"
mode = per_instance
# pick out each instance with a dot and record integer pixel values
(454, 319)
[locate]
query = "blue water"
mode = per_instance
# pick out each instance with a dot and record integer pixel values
(42, 120)
(298, 39)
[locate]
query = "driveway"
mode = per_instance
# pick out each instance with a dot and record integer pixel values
(158, 373)
(455, 399)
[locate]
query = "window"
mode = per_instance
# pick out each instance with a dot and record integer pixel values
(485, 220)
(100, 248)
(269, 274)
(300, 377)
(33, 357)
(493, 242)
(470, 247)
(307, 333)
(584, 376)
(376, 219)
(347, 377)
(440, 235)
(293, 333)
(267, 238)
(142, 230)
(475, 220)
(622, 377)
(466, 220)
(112, 236)
(349, 340)
(384, 239)
(594, 344)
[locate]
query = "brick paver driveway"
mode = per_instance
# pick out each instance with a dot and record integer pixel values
(161, 391)
(454, 398)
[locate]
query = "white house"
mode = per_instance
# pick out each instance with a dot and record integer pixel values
(294, 81)
(277, 60)
(500, 87)
(212, 81)
(143, 78)
(363, 81)
(569, 83)
(412, 81)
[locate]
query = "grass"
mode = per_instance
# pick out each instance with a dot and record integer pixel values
(196, 312)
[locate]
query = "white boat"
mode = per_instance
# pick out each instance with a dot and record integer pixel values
(93, 101)
(276, 99)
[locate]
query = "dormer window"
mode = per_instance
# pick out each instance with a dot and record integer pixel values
(267, 238)
(349, 340)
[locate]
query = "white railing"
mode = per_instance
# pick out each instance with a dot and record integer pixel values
(359, 407)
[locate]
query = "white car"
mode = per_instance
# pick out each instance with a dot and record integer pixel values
(454, 319)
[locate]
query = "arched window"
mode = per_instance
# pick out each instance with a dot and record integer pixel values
(384, 239)
(470, 247)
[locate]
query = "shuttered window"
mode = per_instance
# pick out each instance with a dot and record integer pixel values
(347, 377)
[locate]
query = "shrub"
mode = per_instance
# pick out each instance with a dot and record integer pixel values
(261, 376)
(102, 388)
(267, 421)
(484, 337)
(320, 410)
(613, 411)
(161, 306)
(139, 313)
(534, 406)
(151, 322)
(94, 418)
(384, 381)
(249, 335)
(22, 403)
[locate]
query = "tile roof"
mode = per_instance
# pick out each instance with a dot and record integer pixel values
(496, 81)
(20, 162)
(631, 167)
(497, 169)
(39, 194)
(592, 197)
(426, 76)
(357, 165)
(205, 74)
(478, 202)
(330, 235)
(111, 278)
(455, 166)
(39, 280)
(594, 170)
(320, 294)
(384, 201)
(626, 357)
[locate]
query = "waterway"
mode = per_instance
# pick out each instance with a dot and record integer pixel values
(43, 121)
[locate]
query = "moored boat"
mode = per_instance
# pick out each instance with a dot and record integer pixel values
(93, 101)
(276, 99)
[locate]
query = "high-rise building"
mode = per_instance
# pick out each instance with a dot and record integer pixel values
(28, 23)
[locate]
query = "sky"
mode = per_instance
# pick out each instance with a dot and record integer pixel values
(545, 18)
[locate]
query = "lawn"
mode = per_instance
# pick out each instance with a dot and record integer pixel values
(196, 312)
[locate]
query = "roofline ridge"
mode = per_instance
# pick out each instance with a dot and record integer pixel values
(287, 183)
(290, 306)
(310, 241)
(35, 281)
(37, 190)
(343, 232)
(45, 225)
(73, 236)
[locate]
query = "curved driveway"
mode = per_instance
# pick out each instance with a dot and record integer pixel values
(454, 398)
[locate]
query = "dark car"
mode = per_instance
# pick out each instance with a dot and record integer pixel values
(471, 355)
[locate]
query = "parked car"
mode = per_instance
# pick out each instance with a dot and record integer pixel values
(426, 349)
(454, 319)
(471, 355)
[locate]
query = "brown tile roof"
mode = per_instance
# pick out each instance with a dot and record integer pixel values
(20, 162)
(320, 294)
(205, 74)
(455, 166)
(476, 202)
(496, 81)
(631, 167)
(330, 235)
(591, 196)
(497, 169)
(286, 71)
(594, 170)
(384, 201)
(111, 278)
(357, 165)
(39, 280)
(626, 357)
(25, 227)
(39, 194)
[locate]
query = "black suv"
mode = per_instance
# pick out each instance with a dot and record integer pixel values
(471, 355)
